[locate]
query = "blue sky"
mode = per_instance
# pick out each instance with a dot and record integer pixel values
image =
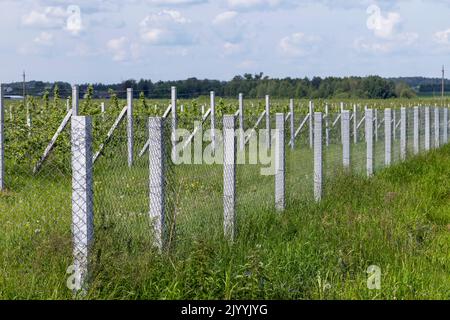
(109, 41)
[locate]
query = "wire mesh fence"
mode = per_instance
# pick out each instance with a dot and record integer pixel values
(161, 200)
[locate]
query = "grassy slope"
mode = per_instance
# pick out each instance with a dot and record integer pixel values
(399, 220)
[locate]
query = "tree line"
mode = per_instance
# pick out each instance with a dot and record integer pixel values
(252, 86)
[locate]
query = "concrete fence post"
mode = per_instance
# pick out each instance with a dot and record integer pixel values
(403, 133)
(268, 136)
(75, 100)
(427, 129)
(369, 141)
(445, 126)
(355, 124)
(318, 156)
(241, 122)
(437, 128)
(394, 127)
(229, 177)
(376, 124)
(292, 123)
(157, 195)
(280, 164)
(387, 136)
(2, 140)
(213, 120)
(416, 131)
(311, 124)
(82, 199)
(174, 123)
(130, 133)
(346, 139)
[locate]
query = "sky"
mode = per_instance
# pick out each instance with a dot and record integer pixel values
(111, 41)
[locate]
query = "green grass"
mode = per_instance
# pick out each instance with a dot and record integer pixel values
(399, 220)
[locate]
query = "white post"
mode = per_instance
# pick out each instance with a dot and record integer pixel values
(427, 129)
(436, 128)
(369, 141)
(416, 131)
(445, 128)
(355, 124)
(280, 164)
(2, 140)
(311, 124)
(157, 180)
(403, 133)
(213, 120)
(75, 97)
(229, 177)
(394, 127)
(102, 108)
(82, 199)
(327, 126)
(387, 136)
(130, 136)
(318, 156)
(174, 123)
(376, 125)
(268, 136)
(67, 105)
(292, 123)
(346, 138)
(241, 122)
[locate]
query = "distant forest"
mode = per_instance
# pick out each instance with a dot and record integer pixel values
(252, 86)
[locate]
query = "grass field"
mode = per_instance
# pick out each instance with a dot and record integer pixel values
(399, 221)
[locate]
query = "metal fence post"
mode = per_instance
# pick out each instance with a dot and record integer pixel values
(213, 119)
(75, 100)
(241, 122)
(318, 156)
(157, 180)
(2, 140)
(311, 124)
(280, 164)
(268, 136)
(130, 135)
(346, 139)
(174, 123)
(327, 126)
(292, 123)
(82, 198)
(403, 133)
(355, 124)
(369, 141)
(427, 129)
(387, 136)
(436, 128)
(445, 127)
(416, 131)
(229, 177)
(394, 127)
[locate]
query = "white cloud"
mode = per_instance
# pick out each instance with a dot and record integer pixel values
(50, 17)
(386, 35)
(74, 23)
(298, 44)
(382, 26)
(257, 4)
(224, 17)
(118, 48)
(442, 37)
(168, 27)
(44, 38)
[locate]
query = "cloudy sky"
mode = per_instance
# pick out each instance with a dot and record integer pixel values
(109, 41)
